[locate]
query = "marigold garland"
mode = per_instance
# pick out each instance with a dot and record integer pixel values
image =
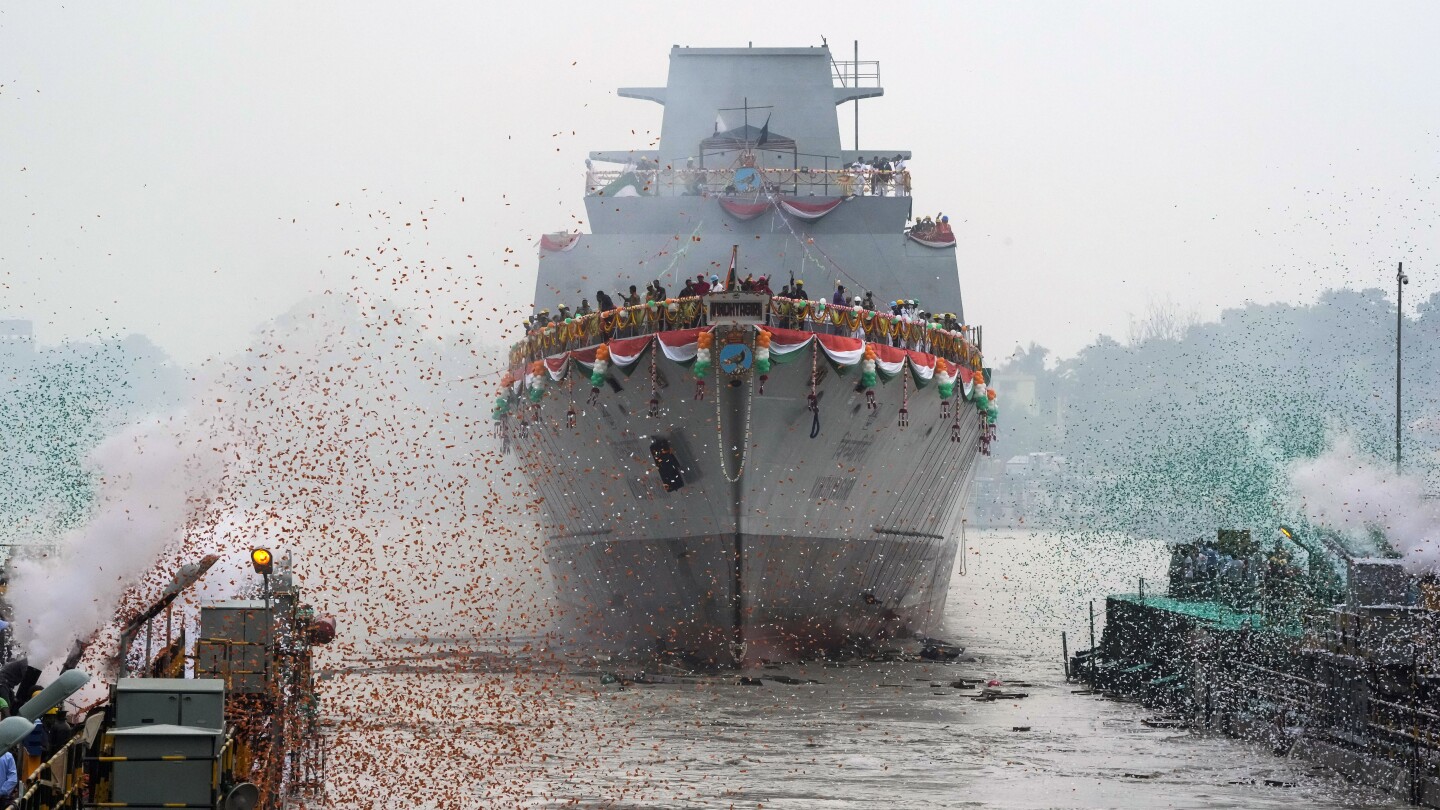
(502, 401)
(602, 365)
(537, 381)
(929, 337)
(762, 352)
(703, 342)
(944, 380)
(868, 377)
(685, 312)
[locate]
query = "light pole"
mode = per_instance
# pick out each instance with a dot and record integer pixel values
(1400, 281)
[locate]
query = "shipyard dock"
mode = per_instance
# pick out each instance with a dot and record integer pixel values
(1333, 659)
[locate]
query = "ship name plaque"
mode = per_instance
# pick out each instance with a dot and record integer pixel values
(737, 308)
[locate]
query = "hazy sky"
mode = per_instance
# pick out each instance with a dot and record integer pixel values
(187, 170)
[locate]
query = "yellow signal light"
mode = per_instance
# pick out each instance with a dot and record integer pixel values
(261, 559)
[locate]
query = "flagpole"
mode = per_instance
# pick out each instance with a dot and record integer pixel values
(857, 96)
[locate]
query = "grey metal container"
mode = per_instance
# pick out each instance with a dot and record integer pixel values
(196, 703)
(239, 620)
(240, 665)
(148, 780)
(1373, 581)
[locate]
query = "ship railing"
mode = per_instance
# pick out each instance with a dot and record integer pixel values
(851, 73)
(58, 781)
(1261, 687)
(798, 181)
(960, 345)
(1409, 721)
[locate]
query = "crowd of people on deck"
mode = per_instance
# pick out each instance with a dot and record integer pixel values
(939, 225)
(655, 292)
(905, 310)
(1243, 581)
(701, 285)
(878, 176)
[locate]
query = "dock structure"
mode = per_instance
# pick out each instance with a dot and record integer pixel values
(244, 732)
(1337, 662)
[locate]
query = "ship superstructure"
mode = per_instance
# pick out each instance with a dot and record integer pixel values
(763, 473)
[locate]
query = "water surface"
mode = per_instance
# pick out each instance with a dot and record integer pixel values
(877, 734)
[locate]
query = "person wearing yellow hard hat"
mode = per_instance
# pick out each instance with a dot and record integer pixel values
(58, 730)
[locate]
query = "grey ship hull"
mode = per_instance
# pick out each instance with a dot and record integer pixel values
(817, 546)
(822, 547)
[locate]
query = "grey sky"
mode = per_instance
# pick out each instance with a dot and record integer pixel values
(174, 169)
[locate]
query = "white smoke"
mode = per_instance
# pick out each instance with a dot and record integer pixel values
(1347, 490)
(151, 477)
(379, 477)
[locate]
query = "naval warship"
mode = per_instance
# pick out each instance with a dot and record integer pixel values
(763, 473)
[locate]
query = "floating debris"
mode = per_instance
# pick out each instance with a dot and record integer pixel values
(789, 681)
(1165, 722)
(988, 695)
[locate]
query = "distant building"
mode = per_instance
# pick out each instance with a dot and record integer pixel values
(17, 336)
(1035, 465)
(1020, 393)
(1017, 390)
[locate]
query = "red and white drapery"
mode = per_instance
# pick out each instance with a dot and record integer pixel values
(811, 208)
(743, 210)
(848, 351)
(680, 346)
(890, 360)
(677, 344)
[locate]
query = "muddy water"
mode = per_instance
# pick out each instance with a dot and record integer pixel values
(892, 735)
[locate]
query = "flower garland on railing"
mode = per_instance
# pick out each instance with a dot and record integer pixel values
(944, 373)
(537, 381)
(502, 400)
(868, 377)
(674, 313)
(944, 380)
(762, 351)
(762, 357)
(984, 398)
(658, 316)
(602, 365)
(681, 313)
(703, 342)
